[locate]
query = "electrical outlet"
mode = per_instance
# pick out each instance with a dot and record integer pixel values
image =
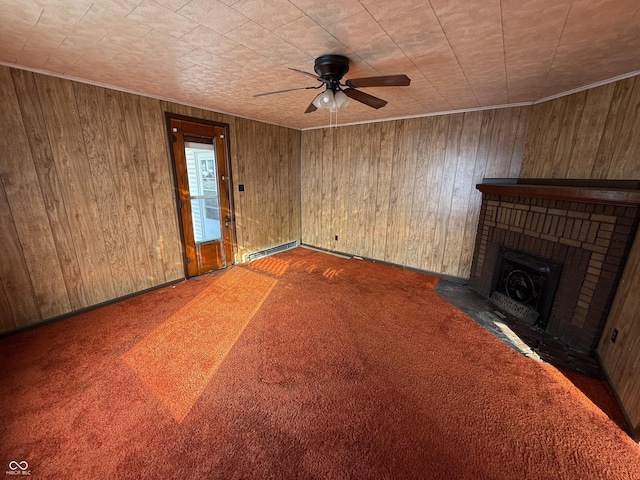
(614, 335)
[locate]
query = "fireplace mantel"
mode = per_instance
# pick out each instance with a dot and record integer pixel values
(613, 192)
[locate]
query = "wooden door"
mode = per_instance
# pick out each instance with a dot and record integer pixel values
(203, 185)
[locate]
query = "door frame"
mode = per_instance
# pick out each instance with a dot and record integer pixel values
(176, 196)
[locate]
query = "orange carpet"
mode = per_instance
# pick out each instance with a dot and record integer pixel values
(300, 365)
(178, 359)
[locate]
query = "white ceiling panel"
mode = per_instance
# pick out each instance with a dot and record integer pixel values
(459, 54)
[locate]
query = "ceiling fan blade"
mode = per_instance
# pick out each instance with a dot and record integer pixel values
(384, 81)
(365, 98)
(311, 108)
(320, 79)
(282, 91)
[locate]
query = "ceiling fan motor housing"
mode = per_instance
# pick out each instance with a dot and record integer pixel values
(332, 68)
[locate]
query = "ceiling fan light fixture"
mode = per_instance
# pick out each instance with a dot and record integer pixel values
(329, 70)
(325, 100)
(329, 100)
(341, 100)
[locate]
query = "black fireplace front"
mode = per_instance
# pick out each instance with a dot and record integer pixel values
(525, 285)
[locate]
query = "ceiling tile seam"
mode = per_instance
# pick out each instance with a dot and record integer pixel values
(347, 46)
(410, 60)
(40, 17)
(206, 26)
(504, 54)
(629, 22)
(619, 35)
(85, 13)
(390, 37)
(196, 47)
(555, 51)
(303, 14)
(57, 46)
(251, 49)
(24, 44)
(197, 24)
(137, 4)
(283, 39)
(622, 31)
(316, 23)
(187, 33)
(454, 54)
(177, 38)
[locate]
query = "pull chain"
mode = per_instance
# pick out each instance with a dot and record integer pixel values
(331, 118)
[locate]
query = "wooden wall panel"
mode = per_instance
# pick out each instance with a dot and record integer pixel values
(463, 186)
(627, 146)
(168, 251)
(326, 229)
(615, 126)
(6, 315)
(369, 170)
(107, 186)
(435, 134)
(131, 120)
(404, 191)
(447, 180)
(417, 230)
(67, 144)
(87, 204)
(312, 168)
(621, 360)
(129, 199)
(49, 185)
(21, 306)
(590, 134)
(28, 208)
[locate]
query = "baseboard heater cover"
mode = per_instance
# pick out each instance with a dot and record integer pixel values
(270, 251)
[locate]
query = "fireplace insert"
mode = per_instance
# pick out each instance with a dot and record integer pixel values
(525, 285)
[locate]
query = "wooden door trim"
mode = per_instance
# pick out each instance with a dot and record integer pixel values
(227, 147)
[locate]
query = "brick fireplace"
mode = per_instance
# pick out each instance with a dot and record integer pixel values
(584, 228)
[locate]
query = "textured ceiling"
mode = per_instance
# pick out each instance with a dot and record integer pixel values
(459, 54)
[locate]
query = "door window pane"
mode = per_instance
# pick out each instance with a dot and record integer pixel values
(205, 228)
(203, 190)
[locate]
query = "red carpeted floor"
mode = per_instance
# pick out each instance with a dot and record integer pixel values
(300, 365)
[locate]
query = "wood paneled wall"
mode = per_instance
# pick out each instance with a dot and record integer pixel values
(590, 134)
(596, 134)
(621, 360)
(87, 206)
(404, 191)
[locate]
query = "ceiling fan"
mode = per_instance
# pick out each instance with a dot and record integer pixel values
(329, 71)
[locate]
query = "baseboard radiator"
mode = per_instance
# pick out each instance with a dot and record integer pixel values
(269, 251)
